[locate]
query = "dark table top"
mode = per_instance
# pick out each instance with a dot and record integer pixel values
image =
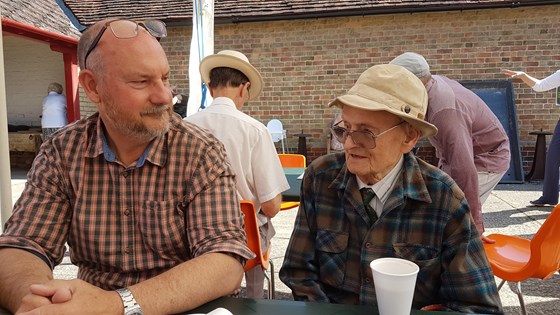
(284, 307)
(292, 175)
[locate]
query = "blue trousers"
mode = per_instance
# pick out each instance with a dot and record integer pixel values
(550, 184)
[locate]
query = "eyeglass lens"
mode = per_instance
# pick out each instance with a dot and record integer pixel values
(129, 29)
(362, 138)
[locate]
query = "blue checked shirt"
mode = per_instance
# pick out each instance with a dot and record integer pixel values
(426, 219)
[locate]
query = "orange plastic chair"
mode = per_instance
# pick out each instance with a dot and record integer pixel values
(516, 259)
(292, 160)
(254, 244)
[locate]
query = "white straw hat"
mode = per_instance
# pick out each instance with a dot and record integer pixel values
(235, 60)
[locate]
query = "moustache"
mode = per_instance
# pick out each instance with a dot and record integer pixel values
(158, 109)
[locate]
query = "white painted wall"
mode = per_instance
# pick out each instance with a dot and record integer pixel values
(29, 68)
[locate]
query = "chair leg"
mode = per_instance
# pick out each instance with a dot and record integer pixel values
(501, 284)
(272, 294)
(269, 281)
(517, 290)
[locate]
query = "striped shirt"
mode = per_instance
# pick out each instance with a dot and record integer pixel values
(426, 219)
(127, 224)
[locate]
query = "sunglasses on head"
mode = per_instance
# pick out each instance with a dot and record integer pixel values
(128, 29)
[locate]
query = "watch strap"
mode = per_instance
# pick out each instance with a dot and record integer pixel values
(131, 307)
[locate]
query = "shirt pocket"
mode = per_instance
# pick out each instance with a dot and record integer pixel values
(162, 224)
(424, 256)
(331, 254)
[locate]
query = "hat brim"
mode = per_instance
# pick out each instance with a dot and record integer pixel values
(426, 129)
(220, 60)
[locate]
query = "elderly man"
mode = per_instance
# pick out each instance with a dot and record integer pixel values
(260, 178)
(378, 200)
(146, 202)
(472, 146)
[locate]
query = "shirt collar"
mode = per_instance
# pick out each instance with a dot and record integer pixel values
(383, 188)
(222, 100)
(110, 155)
(156, 152)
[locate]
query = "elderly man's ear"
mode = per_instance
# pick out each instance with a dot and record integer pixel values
(412, 136)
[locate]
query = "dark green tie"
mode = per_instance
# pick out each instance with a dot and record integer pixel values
(367, 196)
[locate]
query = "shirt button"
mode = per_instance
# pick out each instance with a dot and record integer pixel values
(368, 280)
(127, 212)
(127, 250)
(125, 174)
(368, 245)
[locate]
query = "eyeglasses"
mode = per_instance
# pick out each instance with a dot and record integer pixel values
(128, 29)
(363, 138)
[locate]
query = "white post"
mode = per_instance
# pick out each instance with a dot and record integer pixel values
(202, 45)
(5, 173)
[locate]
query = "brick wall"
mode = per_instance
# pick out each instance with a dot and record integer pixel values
(306, 63)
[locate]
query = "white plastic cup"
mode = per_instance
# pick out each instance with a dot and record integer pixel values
(395, 280)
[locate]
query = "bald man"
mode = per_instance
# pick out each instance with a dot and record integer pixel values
(146, 202)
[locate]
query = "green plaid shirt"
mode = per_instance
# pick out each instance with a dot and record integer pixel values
(125, 225)
(426, 220)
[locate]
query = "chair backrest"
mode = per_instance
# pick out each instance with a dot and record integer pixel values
(545, 247)
(292, 160)
(276, 130)
(253, 236)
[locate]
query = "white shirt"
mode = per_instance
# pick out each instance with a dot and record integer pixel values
(383, 188)
(250, 150)
(54, 111)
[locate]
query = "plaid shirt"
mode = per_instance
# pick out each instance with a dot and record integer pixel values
(426, 220)
(127, 224)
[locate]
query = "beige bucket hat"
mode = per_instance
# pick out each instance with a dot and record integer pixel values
(235, 60)
(393, 89)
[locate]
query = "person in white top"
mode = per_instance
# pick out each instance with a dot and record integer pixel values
(232, 81)
(54, 111)
(550, 183)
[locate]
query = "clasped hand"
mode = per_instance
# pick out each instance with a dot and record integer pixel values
(69, 297)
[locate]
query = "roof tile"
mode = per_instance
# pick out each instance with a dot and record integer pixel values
(89, 11)
(42, 14)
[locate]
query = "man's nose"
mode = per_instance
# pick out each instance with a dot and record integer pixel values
(161, 94)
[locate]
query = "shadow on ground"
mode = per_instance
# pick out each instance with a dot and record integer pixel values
(527, 186)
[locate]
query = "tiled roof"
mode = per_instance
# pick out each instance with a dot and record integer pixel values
(42, 14)
(90, 11)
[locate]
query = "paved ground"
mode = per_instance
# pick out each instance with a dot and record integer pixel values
(505, 212)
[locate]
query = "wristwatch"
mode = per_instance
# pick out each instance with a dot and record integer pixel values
(130, 305)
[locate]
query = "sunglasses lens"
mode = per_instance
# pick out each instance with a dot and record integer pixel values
(156, 28)
(124, 29)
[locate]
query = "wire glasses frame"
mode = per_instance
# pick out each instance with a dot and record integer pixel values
(363, 138)
(123, 29)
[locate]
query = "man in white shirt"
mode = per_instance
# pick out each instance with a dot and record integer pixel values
(232, 81)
